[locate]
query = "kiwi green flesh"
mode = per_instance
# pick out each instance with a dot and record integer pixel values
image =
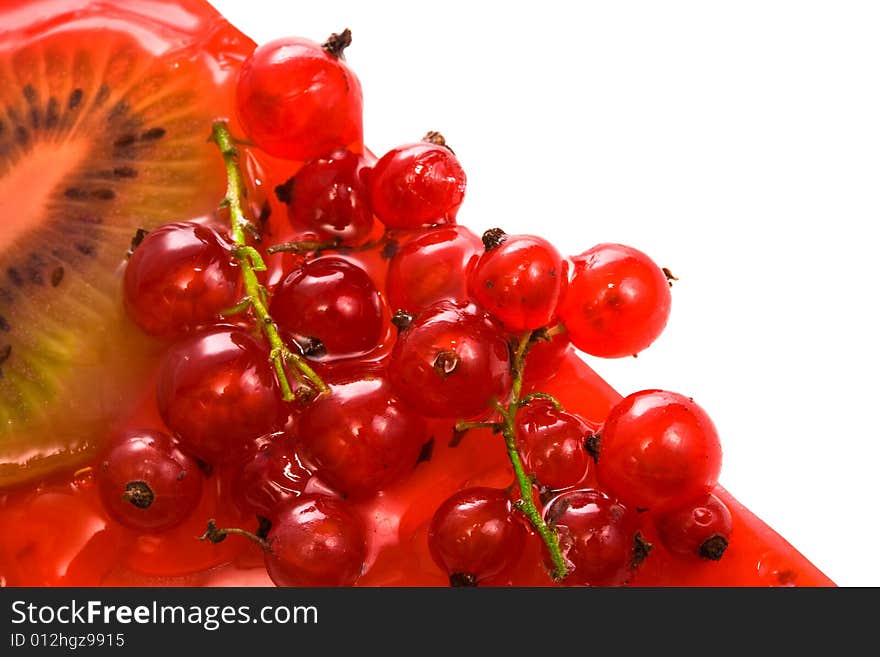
(126, 135)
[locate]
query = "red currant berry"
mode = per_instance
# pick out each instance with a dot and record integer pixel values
(328, 198)
(431, 268)
(617, 302)
(217, 392)
(545, 357)
(552, 444)
(518, 279)
(330, 308)
(659, 450)
(269, 475)
(360, 437)
(315, 540)
(452, 362)
(596, 536)
(474, 535)
(180, 278)
(298, 100)
(147, 483)
(417, 185)
(697, 530)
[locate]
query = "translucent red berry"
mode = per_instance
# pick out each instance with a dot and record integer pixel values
(596, 535)
(551, 443)
(360, 438)
(180, 278)
(617, 302)
(298, 100)
(659, 450)
(147, 483)
(432, 267)
(330, 308)
(217, 392)
(315, 540)
(474, 535)
(328, 198)
(269, 475)
(544, 358)
(700, 529)
(518, 279)
(452, 362)
(417, 185)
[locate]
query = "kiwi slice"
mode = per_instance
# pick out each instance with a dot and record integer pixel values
(104, 117)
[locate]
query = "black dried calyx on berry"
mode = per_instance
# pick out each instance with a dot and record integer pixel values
(402, 320)
(493, 238)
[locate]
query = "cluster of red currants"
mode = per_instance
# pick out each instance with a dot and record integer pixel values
(447, 326)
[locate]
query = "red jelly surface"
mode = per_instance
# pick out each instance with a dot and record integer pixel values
(58, 534)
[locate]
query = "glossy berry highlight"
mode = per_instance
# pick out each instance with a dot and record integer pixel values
(617, 302)
(147, 483)
(315, 540)
(597, 536)
(329, 308)
(659, 450)
(452, 362)
(519, 279)
(181, 277)
(474, 535)
(328, 199)
(432, 267)
(269, 475)
(298, 100)
(415, 185)
(551, 443)
(360, 438)
(700, 530)
(217, 393)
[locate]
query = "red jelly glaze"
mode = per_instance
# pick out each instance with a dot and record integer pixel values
(62, 536)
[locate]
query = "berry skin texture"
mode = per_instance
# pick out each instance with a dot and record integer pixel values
(333, 302)
(659, 450)
(474, 535)
(519, 282)
(297, 101)
(217, 393)
(329, 199)
(552, 444)
(617, 301)
(181, 277)
(452, 362)
(315, 540)
(360, 438)
(596, 535)
(417, 185)
(697, 531)
(147, 483)
(431, 268)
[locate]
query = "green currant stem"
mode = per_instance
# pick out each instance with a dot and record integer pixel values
(526, 502)
(250, 262)
(540, 395)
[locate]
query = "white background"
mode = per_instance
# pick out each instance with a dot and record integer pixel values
(737, 143)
